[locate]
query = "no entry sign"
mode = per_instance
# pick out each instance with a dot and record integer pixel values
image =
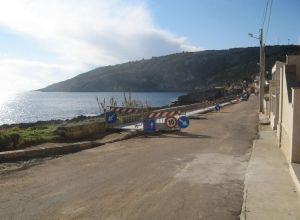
(171, 122)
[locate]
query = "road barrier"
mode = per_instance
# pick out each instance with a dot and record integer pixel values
(131, 115)
(163, 114)
(125, 109)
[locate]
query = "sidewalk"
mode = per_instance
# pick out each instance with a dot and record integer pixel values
(270, 192)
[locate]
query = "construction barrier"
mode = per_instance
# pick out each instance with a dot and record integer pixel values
(125, 110)
(163, 118)
(163, 114)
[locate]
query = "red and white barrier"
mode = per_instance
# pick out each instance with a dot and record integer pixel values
(162, 114)
(125, 110)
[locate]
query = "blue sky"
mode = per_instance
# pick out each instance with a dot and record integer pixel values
(43, 42)
(221, 24)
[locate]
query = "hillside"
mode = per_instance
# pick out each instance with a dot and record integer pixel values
(177, 72)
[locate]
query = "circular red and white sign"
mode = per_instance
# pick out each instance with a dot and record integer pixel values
(171, 122)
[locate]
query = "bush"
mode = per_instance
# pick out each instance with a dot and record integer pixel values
(10, 141)
(5, 142)
(16, 138)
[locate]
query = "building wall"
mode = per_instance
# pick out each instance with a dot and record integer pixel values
(274, 109)
(276, 70)
(296, 126)
(295, 59)
(287, 120)
(274, 103)
(279, 128)
(266, 107)
(288, 128)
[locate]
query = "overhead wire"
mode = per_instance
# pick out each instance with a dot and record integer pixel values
(264, 14)
(269, 18)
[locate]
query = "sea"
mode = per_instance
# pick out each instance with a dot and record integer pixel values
(35, 106)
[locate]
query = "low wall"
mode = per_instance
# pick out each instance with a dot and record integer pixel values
(81, 129)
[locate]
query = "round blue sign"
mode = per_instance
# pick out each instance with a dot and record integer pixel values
(183, 122)
(110, 117)
(217, 107)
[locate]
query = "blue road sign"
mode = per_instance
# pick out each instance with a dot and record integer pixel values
(149, 125)
(110, 117)
(183, 122)
(217, 107)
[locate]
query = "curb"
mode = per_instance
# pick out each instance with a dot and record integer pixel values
(295, 177)
(21, 155)
(243, 214)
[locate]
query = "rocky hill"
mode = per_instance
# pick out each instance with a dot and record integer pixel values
(177, 72)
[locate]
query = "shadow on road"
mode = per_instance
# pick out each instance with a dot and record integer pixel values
(226, 112)
(177, 134)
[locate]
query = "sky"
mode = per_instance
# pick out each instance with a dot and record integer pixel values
(43, 42)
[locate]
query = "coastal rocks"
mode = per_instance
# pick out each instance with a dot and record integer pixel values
(81, 129)
(205, 95)
(201, 96)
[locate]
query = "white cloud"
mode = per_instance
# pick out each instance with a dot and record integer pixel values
(20, 73)
(84, 33)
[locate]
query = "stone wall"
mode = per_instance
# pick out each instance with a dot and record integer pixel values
(82, 129)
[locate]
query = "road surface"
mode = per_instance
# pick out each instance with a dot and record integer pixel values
(194, 174)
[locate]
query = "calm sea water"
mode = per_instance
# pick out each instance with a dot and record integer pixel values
(41, 106)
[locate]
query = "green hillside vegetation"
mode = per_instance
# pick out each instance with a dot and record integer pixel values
(16, 137)
(177, 72)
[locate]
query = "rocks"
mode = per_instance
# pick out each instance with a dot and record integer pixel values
(206, 95)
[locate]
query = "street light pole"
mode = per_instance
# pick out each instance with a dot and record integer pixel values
(261, 72)
(261, 69)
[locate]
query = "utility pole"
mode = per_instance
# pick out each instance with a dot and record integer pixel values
(261, 68)
(261, 72)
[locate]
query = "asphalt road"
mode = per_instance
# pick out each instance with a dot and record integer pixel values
(194, 174)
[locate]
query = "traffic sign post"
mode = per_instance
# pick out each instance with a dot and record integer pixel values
(110, 117)
(171, 122)
(183, 122)
(217, 107)
(149, 125)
